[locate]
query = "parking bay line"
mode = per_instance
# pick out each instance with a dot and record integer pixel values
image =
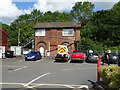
(38, 61)
(26, 85)
(75, 69)
(19, 68)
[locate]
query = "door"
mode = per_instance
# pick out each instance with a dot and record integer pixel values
(42, 51)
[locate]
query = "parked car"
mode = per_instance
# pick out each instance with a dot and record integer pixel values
(112, 57)
(92, 57)
(62, 57)
(119, 59)
(33, 55)
(77, 55)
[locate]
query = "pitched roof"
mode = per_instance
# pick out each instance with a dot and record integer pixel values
(57, 25)
(4, 32)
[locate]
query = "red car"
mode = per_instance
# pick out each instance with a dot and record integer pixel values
(77, 55)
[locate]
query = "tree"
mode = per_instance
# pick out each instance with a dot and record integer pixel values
(64, 17)
(82, 12)
(107, 23)
(25, 24)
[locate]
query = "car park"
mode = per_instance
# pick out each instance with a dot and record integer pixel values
(77, 55)
(92, 57)
(62, 57)
(112, 58)
(33, 55)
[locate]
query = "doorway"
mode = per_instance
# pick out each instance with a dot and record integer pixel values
(42, 50)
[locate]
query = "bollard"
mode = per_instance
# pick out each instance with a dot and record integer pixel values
(98, 71)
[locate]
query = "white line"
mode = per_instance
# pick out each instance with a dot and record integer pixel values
(75, 69)
(36, 79)
(10, 66)
(21, 60)
(38, 61)
(20, 68)
(84, 86)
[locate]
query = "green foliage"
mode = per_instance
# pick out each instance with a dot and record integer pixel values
(82, 12)
(100, 30)
(88, 44)
(107, 26)
(111, 76)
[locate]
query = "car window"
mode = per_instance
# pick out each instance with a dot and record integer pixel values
(93, 54)
(112, 54)
(32, 52)
(77, 52)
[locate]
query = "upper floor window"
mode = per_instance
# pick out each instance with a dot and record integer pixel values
(40, 32)
(67, 32)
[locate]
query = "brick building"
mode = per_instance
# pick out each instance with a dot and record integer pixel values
(3, 38)
(49, 35)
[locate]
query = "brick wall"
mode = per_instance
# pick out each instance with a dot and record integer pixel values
(53, 38)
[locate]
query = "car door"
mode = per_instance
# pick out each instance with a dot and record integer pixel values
(38, 55)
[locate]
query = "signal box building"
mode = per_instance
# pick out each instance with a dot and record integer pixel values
(49, 35)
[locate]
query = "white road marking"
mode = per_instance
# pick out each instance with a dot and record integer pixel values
(38, 61)
(76, 68)
(21, 60)
(10, 66)
(36, 79)
(33, 85)
(84, 86)
(20, 68)
(78, 64)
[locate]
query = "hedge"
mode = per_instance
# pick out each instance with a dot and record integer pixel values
(111, 76)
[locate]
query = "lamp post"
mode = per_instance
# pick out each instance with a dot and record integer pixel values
(18, 36)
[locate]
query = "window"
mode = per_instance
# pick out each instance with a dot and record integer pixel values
(40, 32)
(67, 32)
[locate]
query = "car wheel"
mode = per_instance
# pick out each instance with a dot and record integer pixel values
(81, 61)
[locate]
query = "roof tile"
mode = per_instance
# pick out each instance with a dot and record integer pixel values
(57, 25)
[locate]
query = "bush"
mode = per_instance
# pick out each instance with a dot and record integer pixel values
(111, 76)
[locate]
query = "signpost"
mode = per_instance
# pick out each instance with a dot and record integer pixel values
(62, 49)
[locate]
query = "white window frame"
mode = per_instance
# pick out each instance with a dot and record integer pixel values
(65, 32)
(40, 32)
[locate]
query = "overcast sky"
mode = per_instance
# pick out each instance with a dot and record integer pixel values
(11, 9)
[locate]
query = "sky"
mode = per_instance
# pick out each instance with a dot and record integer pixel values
(11, 9)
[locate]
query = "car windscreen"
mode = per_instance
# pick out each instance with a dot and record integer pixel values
(77, 52)
(92, 54)
(32, 53)
(112, 54)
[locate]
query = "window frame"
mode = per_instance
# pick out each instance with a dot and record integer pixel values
(67, 32)
(41, 33)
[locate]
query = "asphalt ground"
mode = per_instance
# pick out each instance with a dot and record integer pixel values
(46, 74)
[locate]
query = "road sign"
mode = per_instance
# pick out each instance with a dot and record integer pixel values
(62, 49)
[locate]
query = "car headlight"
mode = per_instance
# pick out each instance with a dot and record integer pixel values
(33, 57)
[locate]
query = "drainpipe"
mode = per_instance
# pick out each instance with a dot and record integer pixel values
(49, 48)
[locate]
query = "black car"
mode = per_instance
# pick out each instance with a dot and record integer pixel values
(112, 58)
(62, 57)
(92, 57)
(119, 59)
